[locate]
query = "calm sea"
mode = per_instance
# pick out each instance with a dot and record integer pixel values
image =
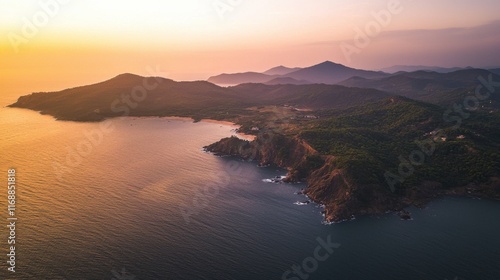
(139, 198)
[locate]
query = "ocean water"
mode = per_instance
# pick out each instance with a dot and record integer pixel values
(139, 198)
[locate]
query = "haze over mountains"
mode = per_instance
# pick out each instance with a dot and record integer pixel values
(413, 68)
(324, 73)
(198, 99)
(336, 127)
(281, 70)
(437, 85)
(426, 86)
(326, 85)
(330, 73)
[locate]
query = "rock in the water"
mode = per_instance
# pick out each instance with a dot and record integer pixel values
(405, 215)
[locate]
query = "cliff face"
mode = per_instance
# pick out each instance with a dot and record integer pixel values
(343, 198)
(327, 184)
(333, 187)
(266, 149)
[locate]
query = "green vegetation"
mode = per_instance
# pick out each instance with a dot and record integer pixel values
(367, 131)
(312, 162)
(369, 140)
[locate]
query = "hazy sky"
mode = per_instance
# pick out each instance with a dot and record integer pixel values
(49, 44)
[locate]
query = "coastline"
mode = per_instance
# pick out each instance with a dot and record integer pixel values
(343, 198)
(235, 127)
(241, 135)
(331, 182)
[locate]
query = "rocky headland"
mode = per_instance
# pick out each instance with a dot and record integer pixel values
(335, 188)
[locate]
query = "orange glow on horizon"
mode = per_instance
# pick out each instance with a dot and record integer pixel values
(87, 42)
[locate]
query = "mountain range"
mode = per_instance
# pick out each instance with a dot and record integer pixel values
(198, 99)
(329, 73)
(340, 129)
(413, 68)
(202, 99)
(433, 87)
(324, 73)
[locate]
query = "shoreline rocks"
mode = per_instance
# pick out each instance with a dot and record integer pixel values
(332, 187)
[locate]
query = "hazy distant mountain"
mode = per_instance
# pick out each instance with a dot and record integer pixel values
(413, 68)
(332, 73)
(323, 73)
(281, 70)
(407, 83)
(240, 78)
(287, 81)
(495, 70)
(254, 77)
(426, 86)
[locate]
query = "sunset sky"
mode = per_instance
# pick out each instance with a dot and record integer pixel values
(68, 43)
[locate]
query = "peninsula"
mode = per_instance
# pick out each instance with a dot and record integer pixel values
(365, 142)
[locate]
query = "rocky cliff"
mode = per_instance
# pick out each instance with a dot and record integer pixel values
(327, 184)
(334, 187)
(266, 149)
